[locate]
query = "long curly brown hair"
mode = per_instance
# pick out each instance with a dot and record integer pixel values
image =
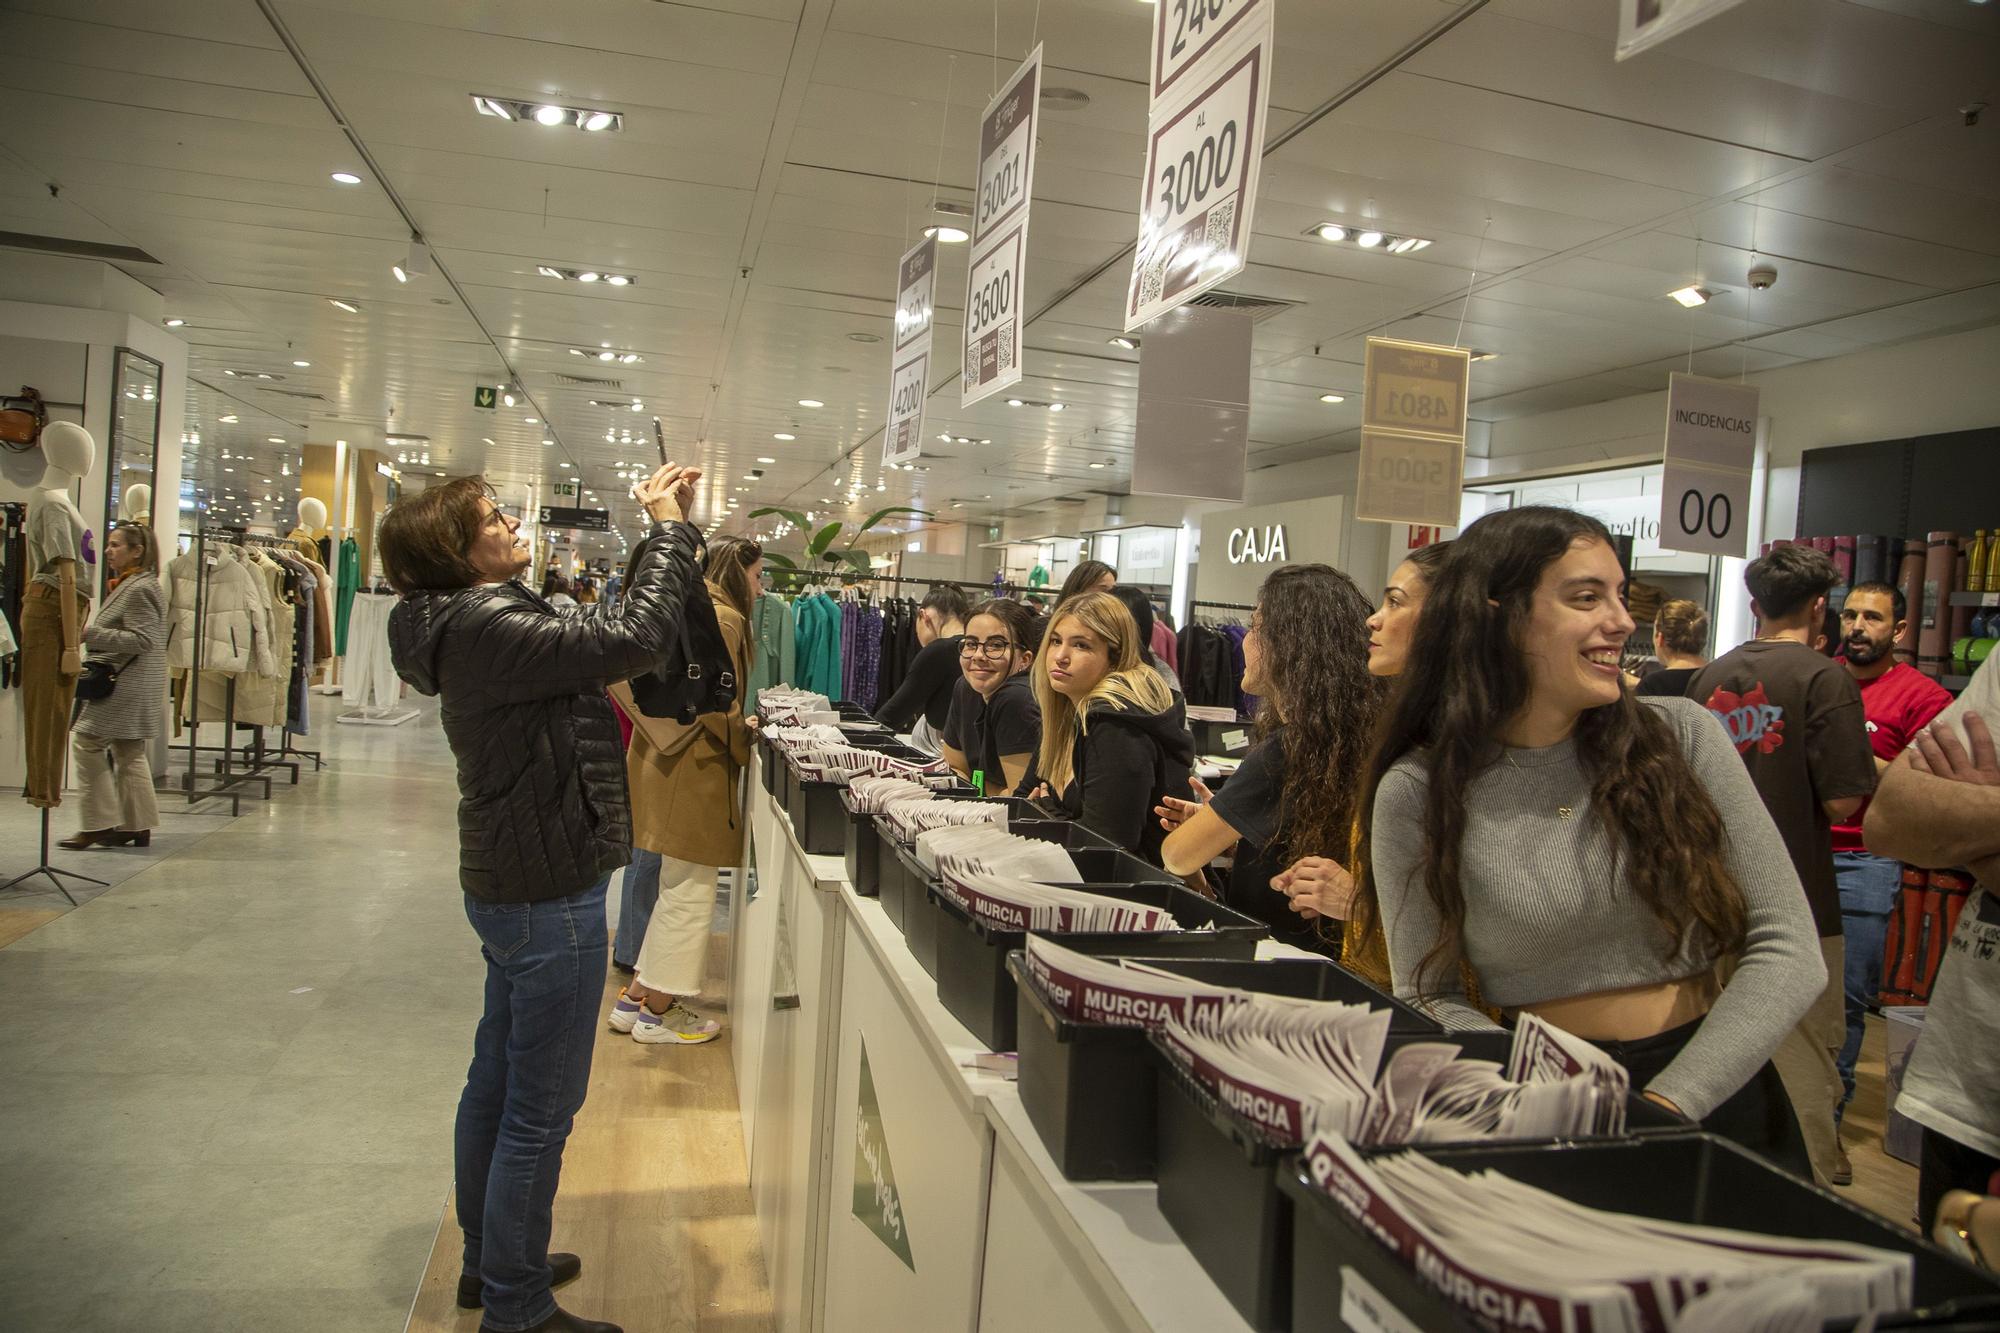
(1312, 629)
(1467, 677)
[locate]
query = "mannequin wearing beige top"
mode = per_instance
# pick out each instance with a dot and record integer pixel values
(53, 610)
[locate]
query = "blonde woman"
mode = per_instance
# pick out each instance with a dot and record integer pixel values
(687, 823)
(1114, 742)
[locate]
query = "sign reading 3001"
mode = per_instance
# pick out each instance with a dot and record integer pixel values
(1202, 157)
(1007, 151)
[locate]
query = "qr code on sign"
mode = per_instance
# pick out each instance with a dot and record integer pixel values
(1007, 346)
(972, 365)
(1221, 227)
(1152, 274)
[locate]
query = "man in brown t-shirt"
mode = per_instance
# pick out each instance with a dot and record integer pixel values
(1796, 718)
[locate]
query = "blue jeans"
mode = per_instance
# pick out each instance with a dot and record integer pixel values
(641, 891)
(530, 1070)
(1868, 887)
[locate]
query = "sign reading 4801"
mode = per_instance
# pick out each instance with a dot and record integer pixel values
(1007, 150)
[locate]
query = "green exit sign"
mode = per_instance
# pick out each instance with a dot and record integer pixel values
(485, 395)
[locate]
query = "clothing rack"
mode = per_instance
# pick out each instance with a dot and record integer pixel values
(257, 760)
(1222, 606)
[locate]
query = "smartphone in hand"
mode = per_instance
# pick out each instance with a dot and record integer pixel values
(660, 441)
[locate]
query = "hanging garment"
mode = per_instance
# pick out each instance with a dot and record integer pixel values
(771, 625)
(868, 656)
(1165, 646)
(370, 680)
(13, 583)
(347, 585)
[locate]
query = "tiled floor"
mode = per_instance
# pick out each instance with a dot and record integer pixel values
(230, 1078)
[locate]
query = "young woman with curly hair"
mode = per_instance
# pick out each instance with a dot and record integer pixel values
(1297, 792)
(1590, 854)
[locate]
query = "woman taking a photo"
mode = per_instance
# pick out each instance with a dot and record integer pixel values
(1591, 855)
(543, 820)
(1114, 741)
(110, 737)
(1297, 791)
(994, 724)
(927, 687)
(686, 824)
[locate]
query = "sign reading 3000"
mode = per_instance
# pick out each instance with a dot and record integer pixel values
(1202, 156)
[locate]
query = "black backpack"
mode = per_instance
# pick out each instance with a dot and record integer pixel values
(697, 675)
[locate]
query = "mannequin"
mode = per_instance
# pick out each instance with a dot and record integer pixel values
(312, 520)
(136, 505)
(54, 609)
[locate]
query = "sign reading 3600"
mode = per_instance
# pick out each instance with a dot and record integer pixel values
(1007, 151)
(1202, 160)
(993, 317)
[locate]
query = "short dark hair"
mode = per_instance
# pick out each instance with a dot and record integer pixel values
(149, 546)
(1141, 607)
(1788, 579)
(425, 539)
(949, 602)
(1889, 590)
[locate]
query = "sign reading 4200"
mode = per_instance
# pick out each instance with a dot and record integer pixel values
(1007, 150)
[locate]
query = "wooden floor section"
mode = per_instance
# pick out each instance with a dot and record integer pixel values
(1881, 1182)
(18, 921)
(655, 1195)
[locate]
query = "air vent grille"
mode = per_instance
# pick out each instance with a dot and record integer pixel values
(1259, 308)
(586, 382)
(296, 393)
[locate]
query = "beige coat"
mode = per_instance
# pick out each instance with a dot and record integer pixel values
(684, 804)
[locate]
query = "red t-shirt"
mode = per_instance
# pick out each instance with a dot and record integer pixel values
(1898, 704)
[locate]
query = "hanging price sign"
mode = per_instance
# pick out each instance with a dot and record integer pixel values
(1409, 479)
(1203, 152)
(993, 316)
(916, 282)
(1186, 30)
(1711, 452)
(1007, 151)
(1415, 387)
(909, 389)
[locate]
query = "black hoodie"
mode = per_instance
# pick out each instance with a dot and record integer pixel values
(1125, 762)
(543, 810)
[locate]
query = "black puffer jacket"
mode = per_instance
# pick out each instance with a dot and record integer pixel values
(543, 811)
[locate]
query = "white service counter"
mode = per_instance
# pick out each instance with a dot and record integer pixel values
(920, 1197)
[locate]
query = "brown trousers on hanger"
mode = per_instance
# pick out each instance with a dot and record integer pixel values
(46, 694)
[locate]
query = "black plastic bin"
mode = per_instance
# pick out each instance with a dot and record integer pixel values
(900, 883)
(974, 984)
(1089, 1087)
(1219, 1189)
(864, 848)
(1096, 860)
(1224, 740)
(818, 814)
(1686, 1177)
(772, 761)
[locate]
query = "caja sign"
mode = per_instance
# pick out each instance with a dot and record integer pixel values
(1263, 545)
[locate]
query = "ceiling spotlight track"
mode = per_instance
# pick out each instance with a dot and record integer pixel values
(292, 48)
(591, 120)
(604, 276)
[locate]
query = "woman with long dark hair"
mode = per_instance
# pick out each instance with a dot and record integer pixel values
(1591, 855)
(991, 730)
(1088, 576)
(1297, 792)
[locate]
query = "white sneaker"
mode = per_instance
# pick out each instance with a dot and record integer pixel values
(624, 1012)
(679, 1026)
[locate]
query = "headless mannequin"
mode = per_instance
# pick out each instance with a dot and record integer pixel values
(52, 638)
(136, 505)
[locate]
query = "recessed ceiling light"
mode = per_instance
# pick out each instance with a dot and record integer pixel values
(1017, 402)
(346, 178)
(1333, 398)
(274, 439)
(1329, 231)
(782, 435)
(949, 235)
(550, 115)
(1057, 407)
(401, 274)
(440, 474)
(1368, 240)
(532, 421)
(348, 306)
(230, 419)
(1691, 296)
(562, 465)
(766, 460)
(811, 402)
(486, 441)
(1129, 344)
(598, 120)
(175, 323)
(864, 337)
(301, 364)
(1097, 465)
(1478, 355)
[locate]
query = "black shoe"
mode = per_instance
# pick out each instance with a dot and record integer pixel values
(562, 1321)
(564, 1266)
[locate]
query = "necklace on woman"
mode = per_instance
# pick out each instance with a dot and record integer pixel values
(1562, 811)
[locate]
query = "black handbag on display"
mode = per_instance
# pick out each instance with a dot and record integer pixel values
(697, 676)
(96, 681)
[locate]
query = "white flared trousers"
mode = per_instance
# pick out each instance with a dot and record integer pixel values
(117, 782)
(674, 956)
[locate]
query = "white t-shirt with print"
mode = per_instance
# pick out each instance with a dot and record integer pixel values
(1952, 1084)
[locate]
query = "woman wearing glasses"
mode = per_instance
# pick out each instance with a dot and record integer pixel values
(994, 723)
